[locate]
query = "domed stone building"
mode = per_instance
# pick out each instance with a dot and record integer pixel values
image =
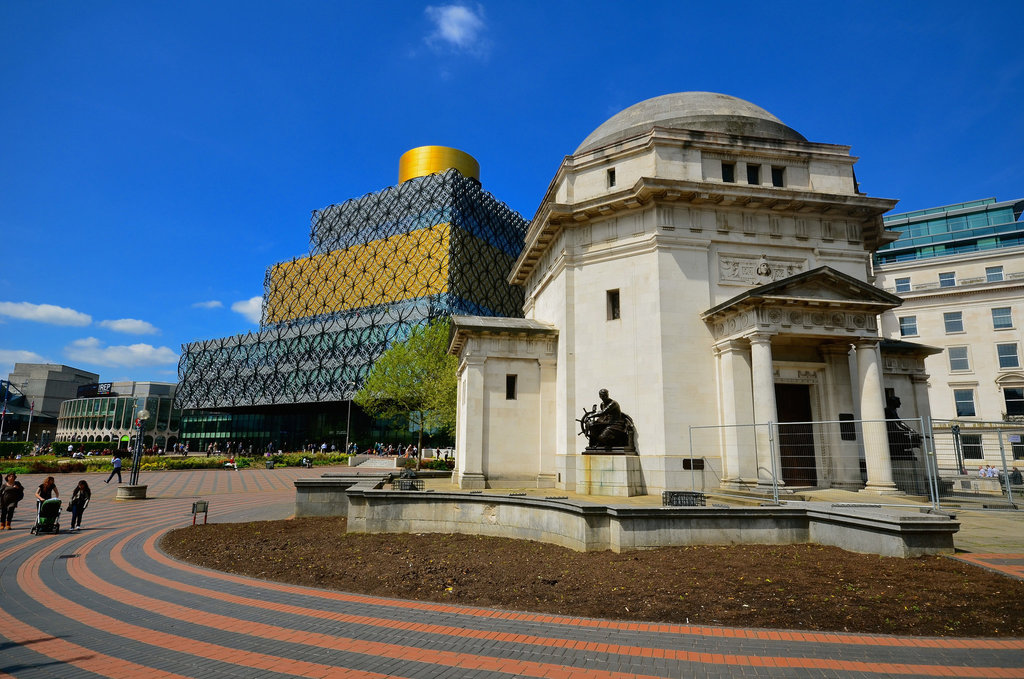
(710, 267)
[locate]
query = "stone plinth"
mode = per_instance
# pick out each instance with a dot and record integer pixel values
(610, 475)
(130, 492)
(585, 526)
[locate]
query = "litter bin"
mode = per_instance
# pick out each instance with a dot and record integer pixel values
(270, 464)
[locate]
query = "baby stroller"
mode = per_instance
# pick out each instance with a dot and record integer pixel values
(48, 517)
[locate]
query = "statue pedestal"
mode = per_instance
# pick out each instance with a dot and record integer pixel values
(613, 475)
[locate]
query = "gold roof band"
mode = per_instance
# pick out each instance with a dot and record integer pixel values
(424, 160)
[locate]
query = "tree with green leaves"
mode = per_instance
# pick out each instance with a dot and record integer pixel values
(415, 379)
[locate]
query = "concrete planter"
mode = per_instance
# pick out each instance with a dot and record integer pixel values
(128, 492)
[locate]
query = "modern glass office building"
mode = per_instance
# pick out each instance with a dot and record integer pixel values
(960, 271)
(434, 245)
(106, 413)
(953, 229)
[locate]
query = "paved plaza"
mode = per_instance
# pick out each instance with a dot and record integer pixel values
(105, 602)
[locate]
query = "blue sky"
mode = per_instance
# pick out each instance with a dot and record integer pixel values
(158, 157)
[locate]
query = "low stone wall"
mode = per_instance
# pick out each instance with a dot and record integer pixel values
(326, 495)
(585, 526)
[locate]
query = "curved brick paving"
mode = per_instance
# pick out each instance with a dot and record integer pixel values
(106, 602)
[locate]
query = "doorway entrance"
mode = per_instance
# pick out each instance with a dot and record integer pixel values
(796, 441)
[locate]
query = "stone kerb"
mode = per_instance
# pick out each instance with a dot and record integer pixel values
(326, 496)
(584, 526)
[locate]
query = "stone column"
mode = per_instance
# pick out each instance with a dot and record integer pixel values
(839, 395)
(763, 378)
(872, 411)
(469, 446)
(738, 460)
(548, 474)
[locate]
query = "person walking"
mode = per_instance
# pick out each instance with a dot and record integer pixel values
(117, 468)
(47, 490)
(79, 501)
(11, 493)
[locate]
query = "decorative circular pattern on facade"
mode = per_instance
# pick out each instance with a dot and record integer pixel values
(796, 317)
(818, 318)
(775, 316)
(838, 319)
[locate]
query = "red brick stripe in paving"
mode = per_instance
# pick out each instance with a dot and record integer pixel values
(115, 544)
(807, 637)
(81, 573)
(1007, 564)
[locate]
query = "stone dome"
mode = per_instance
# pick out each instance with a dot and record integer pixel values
(701, 111)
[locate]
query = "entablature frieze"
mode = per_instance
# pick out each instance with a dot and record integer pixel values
(511, 346)
(796, 320)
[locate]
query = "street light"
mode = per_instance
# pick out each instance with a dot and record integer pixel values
(348, 422)
(140, 421)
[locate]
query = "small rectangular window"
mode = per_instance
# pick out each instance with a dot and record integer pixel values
(954, 321)
(908, 326)
(1018, 450)
(1008, 355)
(753, 174)
(964, 399)
(947, 280)
(510, 387)
(1014, 398)
(728, 172)
(613, 305)
(958, 358)
(993, 274)
(611, 177)
(903, 285)
(1002, 318)
(778, 176)
(971, 445)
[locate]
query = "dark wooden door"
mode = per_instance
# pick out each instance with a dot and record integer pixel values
(796, 441)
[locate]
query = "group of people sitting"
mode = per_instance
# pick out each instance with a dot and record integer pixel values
(990, 472)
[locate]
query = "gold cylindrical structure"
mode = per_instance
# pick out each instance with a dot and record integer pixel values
(424, 160)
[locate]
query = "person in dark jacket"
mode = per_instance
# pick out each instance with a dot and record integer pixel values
(79, 501)
(11, 493)
(47, 490)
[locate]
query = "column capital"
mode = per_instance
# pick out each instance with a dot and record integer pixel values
(867, 342)
(729, 346)
(760, 337)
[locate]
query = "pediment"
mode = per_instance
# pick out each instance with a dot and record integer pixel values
(826, 283)
(823, 286)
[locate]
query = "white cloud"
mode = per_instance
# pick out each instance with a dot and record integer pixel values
(458, 27)
(8, 357)
(212, 304)
(44, 313)
(130, 326)
(251, 308)
(91, 350)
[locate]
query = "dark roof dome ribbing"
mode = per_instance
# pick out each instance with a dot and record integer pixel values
(700, 111)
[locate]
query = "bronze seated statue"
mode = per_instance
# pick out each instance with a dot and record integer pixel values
(607, 428)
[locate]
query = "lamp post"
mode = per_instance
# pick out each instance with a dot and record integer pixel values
(140, 420)
(348, 422)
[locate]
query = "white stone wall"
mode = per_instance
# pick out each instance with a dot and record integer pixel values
(974, 298)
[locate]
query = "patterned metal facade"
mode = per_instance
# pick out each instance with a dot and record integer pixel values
(378, 265)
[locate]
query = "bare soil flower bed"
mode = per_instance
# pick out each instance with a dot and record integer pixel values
(802, 587)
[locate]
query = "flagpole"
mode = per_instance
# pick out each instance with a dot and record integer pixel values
(3, 415)
(31, 410)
